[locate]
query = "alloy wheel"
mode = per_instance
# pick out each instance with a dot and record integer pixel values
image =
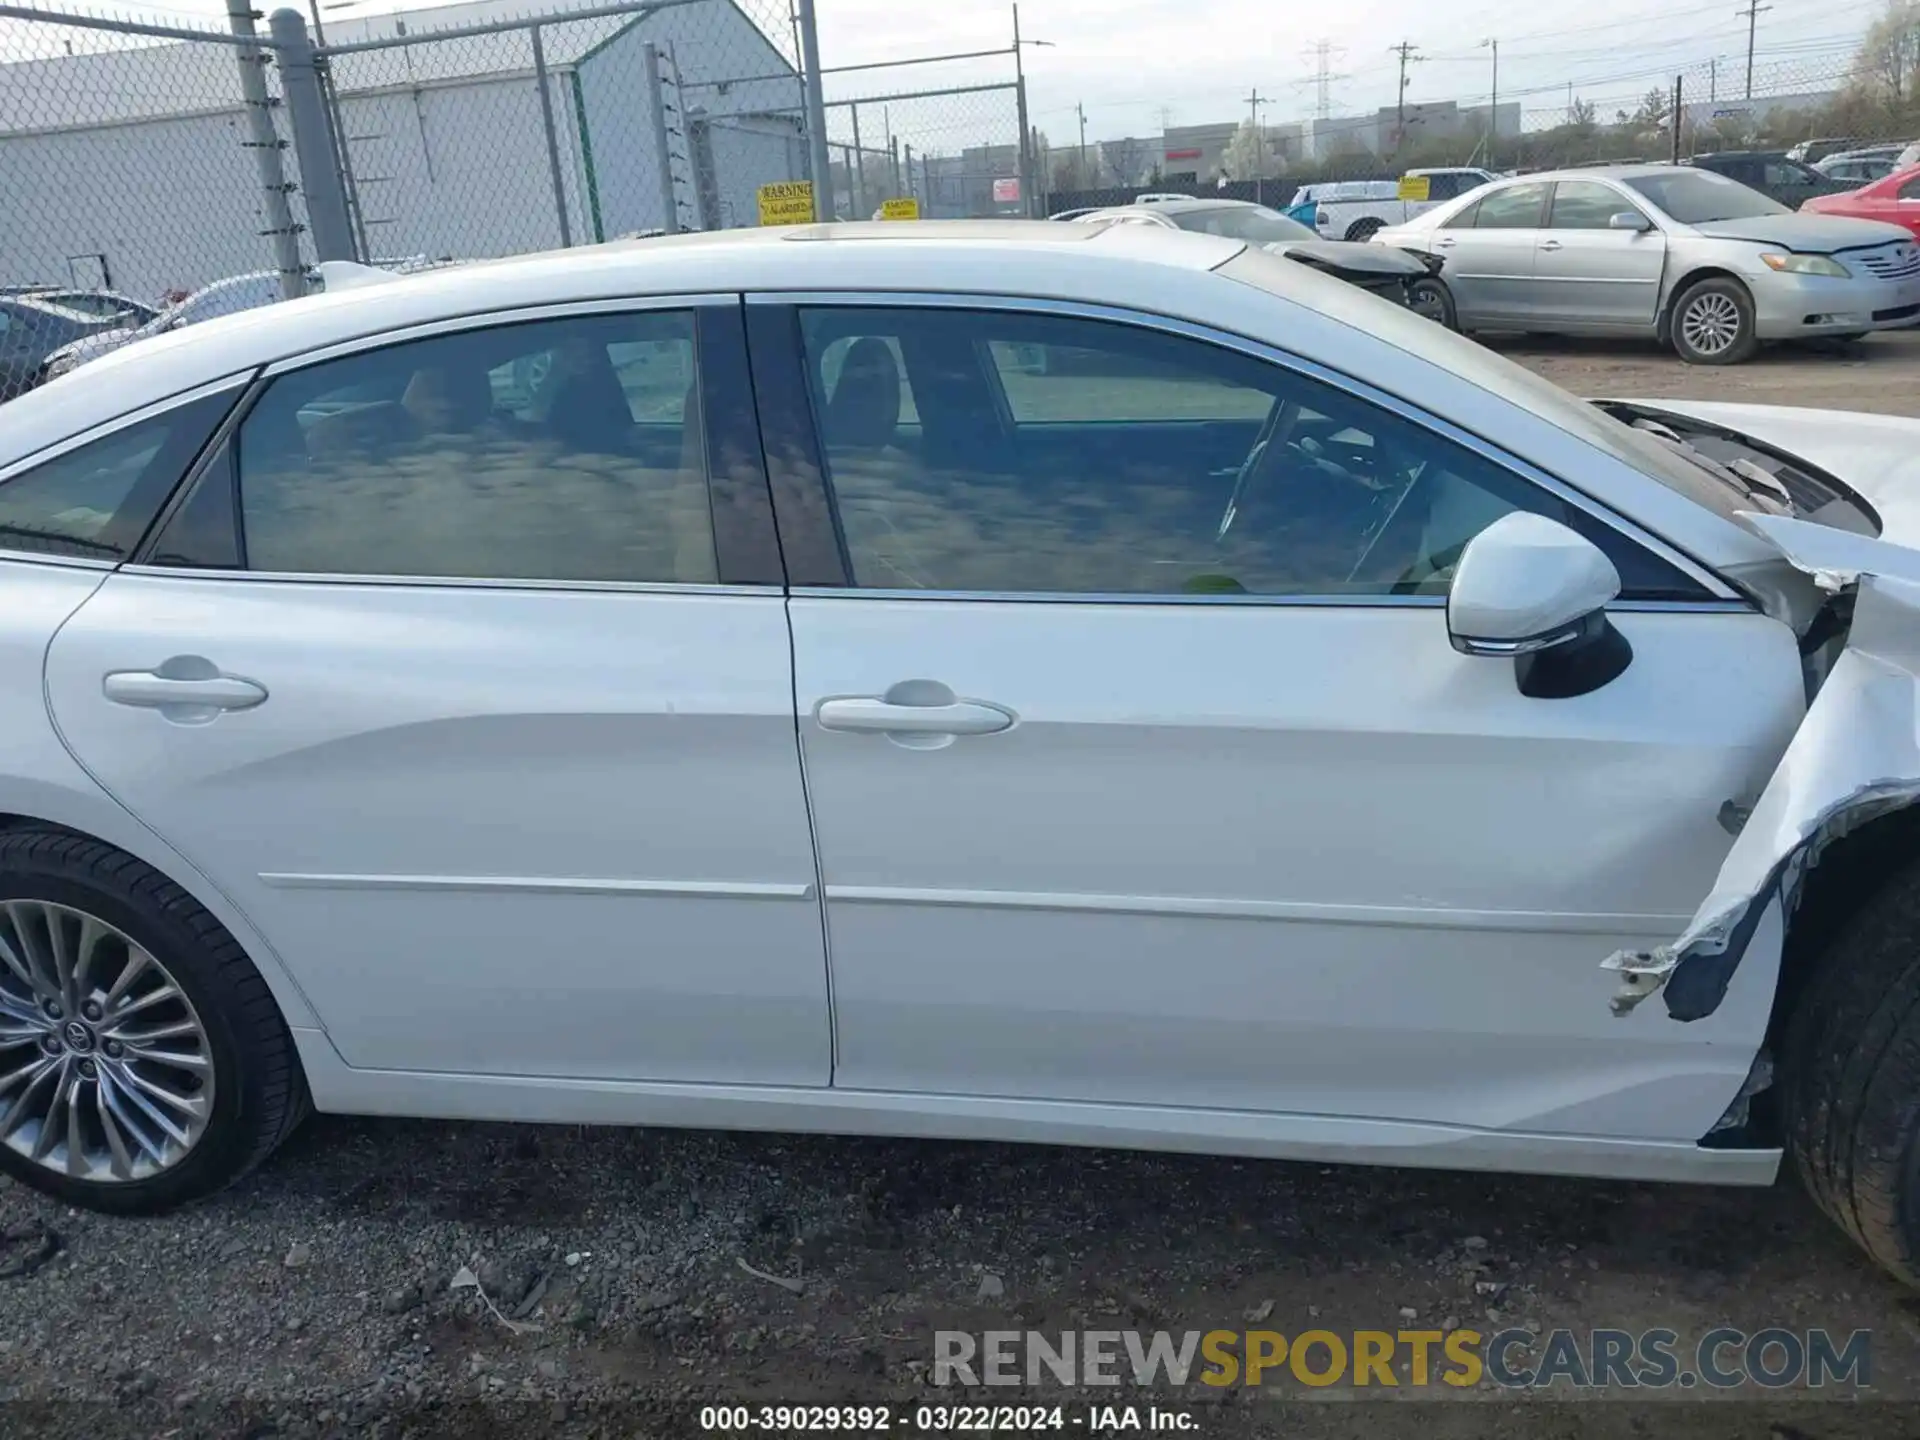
(1711, 323)
(106, 1071)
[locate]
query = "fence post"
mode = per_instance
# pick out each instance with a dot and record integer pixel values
(265, 144)
(1677, 92)
(816, 109)
(553, 140)
(662, 142)
(857, 174)
(313, 140)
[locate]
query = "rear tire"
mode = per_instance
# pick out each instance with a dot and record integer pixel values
(1713, 323)
(1849, 1085)
(1363, 230)
(141, 1106)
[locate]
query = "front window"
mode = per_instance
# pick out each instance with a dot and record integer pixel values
(1700, 197)
(1067, 456)
(1253, 223)
(1517, 207)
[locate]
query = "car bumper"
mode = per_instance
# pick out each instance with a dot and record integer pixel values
(1787, 307)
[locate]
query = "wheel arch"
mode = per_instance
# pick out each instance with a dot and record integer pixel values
(1663, 323)
(38, 805)
(1843, 877)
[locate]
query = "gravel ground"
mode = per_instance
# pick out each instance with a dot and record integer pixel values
(319, 1299)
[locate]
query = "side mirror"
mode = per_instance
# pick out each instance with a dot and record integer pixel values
(1530, 590)
(1629, 220)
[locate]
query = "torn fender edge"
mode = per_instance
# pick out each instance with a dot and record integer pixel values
(1854, 759)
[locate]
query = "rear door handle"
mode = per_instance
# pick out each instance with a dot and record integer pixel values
(154, 690)
(873, 715)
(1549, 244)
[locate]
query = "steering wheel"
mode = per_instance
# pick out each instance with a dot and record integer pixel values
(1283, 411)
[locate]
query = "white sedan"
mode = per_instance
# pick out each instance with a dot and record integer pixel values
(1075, 683)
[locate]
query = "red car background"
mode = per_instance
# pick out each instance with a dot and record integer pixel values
(1894, 197)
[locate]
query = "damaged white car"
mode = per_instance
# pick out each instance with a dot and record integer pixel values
(1076, 683)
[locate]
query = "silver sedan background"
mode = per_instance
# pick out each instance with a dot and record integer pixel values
(1668, 252)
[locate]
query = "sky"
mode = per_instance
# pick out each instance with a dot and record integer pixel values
(1136, 64)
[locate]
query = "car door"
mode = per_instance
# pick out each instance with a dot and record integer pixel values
(479, 701)
(1588, 274)
(1140, 779)
(1489, 252)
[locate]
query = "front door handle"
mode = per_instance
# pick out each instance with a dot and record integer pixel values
(874, 715)
(1443, 242)
(181, 692)
(1549, 244)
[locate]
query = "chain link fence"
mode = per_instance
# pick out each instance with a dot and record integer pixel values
(143, 160)
(954, 150)
(472, 140)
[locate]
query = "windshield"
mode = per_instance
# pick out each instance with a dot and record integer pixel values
(1695, 197)
(1253, 223)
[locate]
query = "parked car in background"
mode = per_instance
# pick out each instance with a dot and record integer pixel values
(1893, 198)
(1770, 172)
(1073, 214)
(1677, 253)
(223, 297)
(1812, 152)
(1860, 166)
(1386, 273)
(102, 304)
(1354, 209)
(31, 329)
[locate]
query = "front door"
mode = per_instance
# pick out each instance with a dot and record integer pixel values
(1590, 274)
(458, 705)
(1489, 253)
(1142, 769)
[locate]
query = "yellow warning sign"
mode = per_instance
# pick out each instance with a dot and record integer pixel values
(787, 202)
(1415, 187)
(903, 208)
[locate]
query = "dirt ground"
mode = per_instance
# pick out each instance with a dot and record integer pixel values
(614, 1295)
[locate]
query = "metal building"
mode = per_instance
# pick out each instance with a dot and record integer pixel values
(109, 158)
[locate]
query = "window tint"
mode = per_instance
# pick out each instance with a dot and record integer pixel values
(555, 450)
(1583, 205)
(1448, 187)
(1466, 219)
(1060, 455)
(97, 500)
(1911, 190)
(1785, 172)
(1515, 208)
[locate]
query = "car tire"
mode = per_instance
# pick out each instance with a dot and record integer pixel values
(1713, 323)
(1430, 298)
(1849, 1078)
(1362, 231)
(216, 1032)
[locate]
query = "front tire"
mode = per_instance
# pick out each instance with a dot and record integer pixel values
(1430, 298)
(1849, 1083)
(1713, 323)
(143, 1062)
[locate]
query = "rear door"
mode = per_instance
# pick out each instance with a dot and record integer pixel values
(1590, 274)
(1489, 251)
(477, 698)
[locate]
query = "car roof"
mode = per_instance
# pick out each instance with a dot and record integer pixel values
(1588, 172)
(1091, 263)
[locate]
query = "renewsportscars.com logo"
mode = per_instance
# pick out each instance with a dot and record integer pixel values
(1720, 1359)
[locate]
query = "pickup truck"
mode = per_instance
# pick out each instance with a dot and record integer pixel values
(1354, 209)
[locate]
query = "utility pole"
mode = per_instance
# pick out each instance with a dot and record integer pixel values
(1713, 79)
(1493, 110)
(1254, 102)
(1081, 111)
(1024, 163)
(1409, 54)
(1753, 11)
